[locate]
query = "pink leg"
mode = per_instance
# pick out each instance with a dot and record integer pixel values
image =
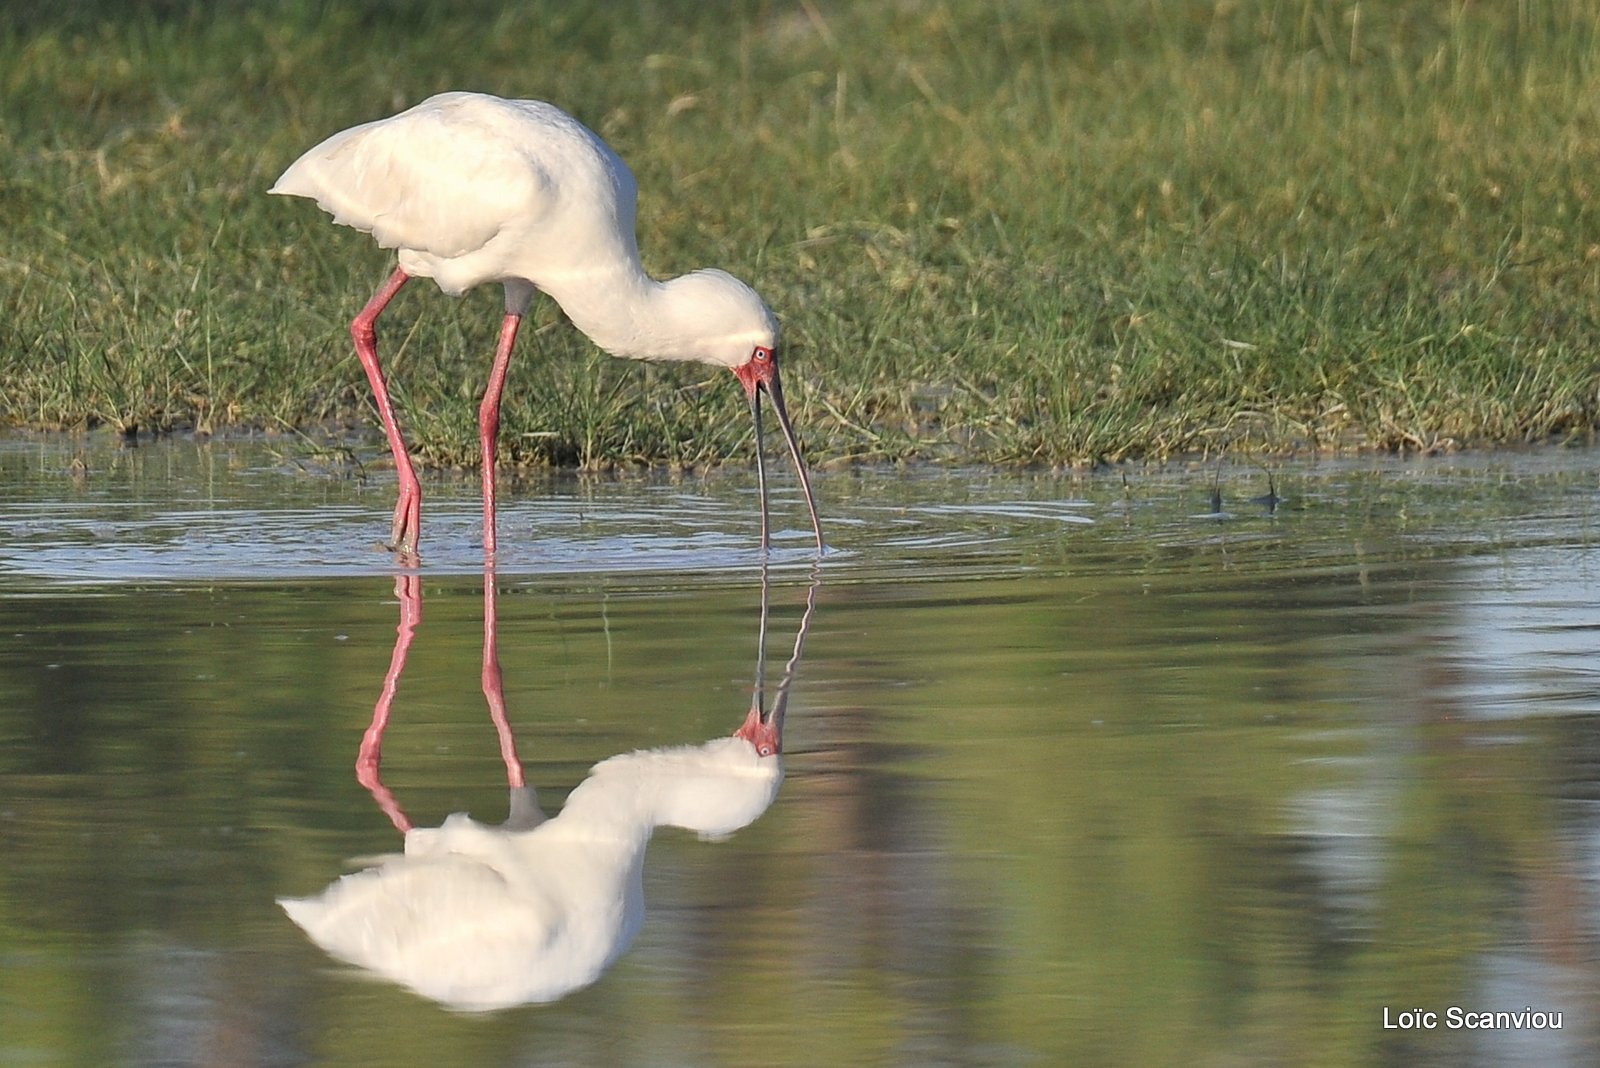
(409, 589)
(489, 423)
(408, 511)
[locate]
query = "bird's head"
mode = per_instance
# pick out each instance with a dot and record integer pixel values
(718, 319)
(728, 324)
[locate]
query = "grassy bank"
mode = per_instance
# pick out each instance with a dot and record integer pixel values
(1034, 231)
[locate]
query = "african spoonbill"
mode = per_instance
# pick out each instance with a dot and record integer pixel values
(472, 188)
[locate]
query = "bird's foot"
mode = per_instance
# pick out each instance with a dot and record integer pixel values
(403, 535)
(403, 556)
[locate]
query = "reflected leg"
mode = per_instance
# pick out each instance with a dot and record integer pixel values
(524, 811)
(494, 687)
(408, 588)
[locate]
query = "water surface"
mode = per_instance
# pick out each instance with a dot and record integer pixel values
(1140, 767)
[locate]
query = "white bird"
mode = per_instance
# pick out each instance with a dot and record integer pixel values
(472, 188)
(479, 917)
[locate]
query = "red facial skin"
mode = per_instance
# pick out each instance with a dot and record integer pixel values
(759, 371)
(766, 736)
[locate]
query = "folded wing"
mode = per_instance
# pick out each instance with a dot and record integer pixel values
(442, 178)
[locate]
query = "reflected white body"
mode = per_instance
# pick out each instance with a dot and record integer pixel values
(471, 188)
(479, 917)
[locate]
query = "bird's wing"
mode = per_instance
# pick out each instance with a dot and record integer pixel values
(438, 179)
(382, 916)
(454, 930)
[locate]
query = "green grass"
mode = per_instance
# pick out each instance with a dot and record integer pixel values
(1039, 231)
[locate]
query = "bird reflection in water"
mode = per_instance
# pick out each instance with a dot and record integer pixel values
(481, 917)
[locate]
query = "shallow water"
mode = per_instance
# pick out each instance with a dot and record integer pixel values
(1138, 768)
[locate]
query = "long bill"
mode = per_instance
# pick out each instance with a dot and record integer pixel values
(763, 726)
(757, 376)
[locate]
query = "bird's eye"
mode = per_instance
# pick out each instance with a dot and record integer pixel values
(761, 354)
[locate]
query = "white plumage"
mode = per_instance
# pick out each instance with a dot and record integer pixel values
(469, 189)
(444, 177)
(479, 917)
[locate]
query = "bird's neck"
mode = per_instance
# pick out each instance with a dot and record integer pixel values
(712, 789)
(627, 313)
(612, 819)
